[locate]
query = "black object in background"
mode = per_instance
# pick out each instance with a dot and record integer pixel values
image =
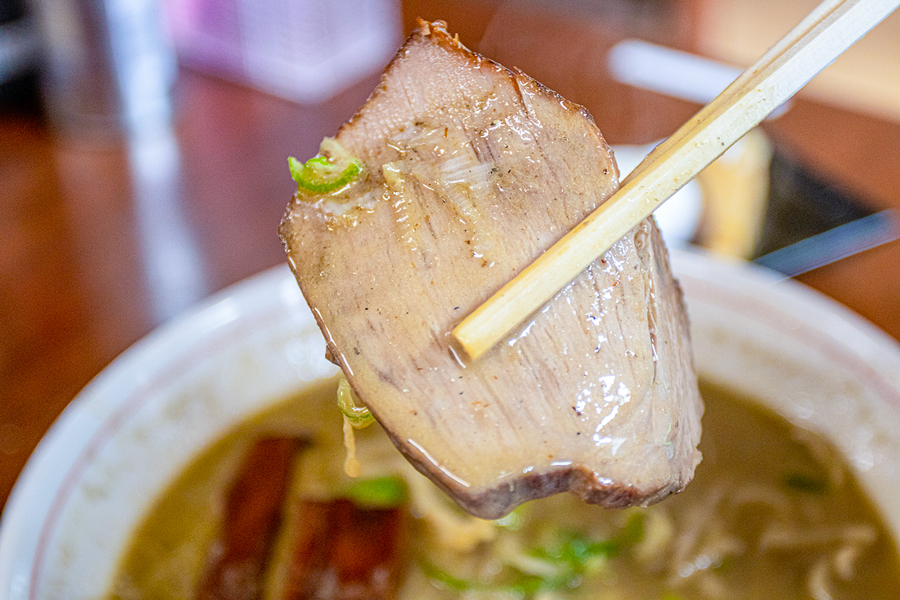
(802, 205)
(19, 81)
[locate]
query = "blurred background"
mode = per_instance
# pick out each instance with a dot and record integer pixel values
(143, 148)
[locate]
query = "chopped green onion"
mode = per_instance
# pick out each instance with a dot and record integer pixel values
(579, 554)
(522, 586)
(378, 492)
(359, 416)
(323, 175)
(449, 581)
(805, 483)
(514, 520)
(633, 531)
(575, 557)
(529, 585)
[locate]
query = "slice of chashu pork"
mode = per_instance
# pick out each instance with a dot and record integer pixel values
(467, 172)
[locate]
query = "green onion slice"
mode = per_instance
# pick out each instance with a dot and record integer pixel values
(330, 170)
(359, 416)
(574, 558)
(378, 492)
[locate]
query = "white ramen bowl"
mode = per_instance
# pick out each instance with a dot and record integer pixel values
(141, 421)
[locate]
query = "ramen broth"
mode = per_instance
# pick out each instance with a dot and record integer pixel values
(772, 513)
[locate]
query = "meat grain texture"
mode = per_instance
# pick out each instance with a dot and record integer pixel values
(470, 171)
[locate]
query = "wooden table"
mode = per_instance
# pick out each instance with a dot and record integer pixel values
(94, 257)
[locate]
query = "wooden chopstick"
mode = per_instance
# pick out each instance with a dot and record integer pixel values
(820, 38)
(814, 19)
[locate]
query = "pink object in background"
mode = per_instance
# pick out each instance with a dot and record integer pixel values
(302, 50)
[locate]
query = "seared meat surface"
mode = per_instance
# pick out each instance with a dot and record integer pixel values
(468, 171)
